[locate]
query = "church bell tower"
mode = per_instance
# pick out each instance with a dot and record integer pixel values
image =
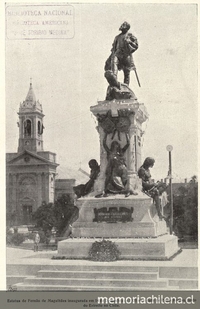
(30, 124)
(31, 171)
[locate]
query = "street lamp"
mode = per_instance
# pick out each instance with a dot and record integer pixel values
(169, 149)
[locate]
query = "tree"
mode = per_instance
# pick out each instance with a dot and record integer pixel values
(44, 217)
(57, 215)
(193, 179)
(64, 210)
(186, 210)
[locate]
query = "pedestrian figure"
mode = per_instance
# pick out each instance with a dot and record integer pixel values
(36, 242)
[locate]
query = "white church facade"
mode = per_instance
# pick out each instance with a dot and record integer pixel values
(31, 171)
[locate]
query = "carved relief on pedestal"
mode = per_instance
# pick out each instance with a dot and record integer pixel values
(119, 122)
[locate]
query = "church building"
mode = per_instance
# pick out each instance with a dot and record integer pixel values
(31, 171)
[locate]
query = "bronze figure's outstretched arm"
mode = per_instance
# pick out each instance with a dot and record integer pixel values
(127, 143)
(104, 143)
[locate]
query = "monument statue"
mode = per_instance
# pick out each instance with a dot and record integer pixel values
(116, 167)
(151, 188)
(121, 59)
(120, 206)
(84, 189)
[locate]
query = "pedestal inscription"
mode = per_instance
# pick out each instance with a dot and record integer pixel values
(113, 215)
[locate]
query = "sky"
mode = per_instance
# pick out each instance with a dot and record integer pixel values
(68, 77)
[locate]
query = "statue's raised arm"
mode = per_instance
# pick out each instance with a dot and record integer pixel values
(127, 143)
(105, 143)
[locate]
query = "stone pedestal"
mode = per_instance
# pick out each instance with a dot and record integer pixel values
(131, 222)
(118, 216)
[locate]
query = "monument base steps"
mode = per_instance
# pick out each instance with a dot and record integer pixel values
(98, 277)
(22, 287)
(66, 275)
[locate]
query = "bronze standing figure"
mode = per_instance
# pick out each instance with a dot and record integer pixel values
(121, 55)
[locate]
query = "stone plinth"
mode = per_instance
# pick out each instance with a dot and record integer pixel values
(118, 216)
(160, 248)
(136, 114)
(129, 104)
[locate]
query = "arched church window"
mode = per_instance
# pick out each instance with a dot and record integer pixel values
(27, 127)
(39, 127)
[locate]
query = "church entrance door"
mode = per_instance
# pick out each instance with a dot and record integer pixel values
(27, 214)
